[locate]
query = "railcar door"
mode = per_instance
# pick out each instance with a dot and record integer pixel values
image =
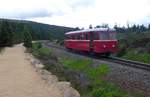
(83, 42)
(91, 41)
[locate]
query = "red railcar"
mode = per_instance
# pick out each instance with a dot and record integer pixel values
(99, 40)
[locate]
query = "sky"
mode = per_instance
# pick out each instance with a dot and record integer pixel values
(78, 13)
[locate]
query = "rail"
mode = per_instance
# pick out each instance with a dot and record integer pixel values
(130, 63)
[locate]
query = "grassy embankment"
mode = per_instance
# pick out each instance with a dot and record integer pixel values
(134, 46)
(138, 57)
(85, 77)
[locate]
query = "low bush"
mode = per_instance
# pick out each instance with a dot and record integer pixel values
(148, 47)
(39, 51)
(96, 86)
(37, 45)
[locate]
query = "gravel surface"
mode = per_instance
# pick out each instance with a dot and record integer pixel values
(128, 78)
(19, 78)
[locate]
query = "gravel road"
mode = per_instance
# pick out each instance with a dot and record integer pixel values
(18, 78)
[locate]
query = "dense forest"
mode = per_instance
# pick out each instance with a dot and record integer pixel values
(12, 31)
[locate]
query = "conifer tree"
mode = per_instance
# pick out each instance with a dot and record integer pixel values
(6, 35)
(27, 37)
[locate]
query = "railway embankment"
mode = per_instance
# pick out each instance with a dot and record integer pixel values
(94, 76)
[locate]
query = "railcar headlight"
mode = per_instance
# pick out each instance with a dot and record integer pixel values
(113, 45)
(104, 46)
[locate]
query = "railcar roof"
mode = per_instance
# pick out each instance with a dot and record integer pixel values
(91, 30)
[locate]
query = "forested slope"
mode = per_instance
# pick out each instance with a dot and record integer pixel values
(11, 31)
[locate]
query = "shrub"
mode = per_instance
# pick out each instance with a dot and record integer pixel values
(37, 45)
(123, 45)
(138, 57)
(27, 37)
(148, 47)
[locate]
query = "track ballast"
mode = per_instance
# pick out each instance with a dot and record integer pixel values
(130, 63)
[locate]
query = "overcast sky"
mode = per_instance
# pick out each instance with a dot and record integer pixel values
(79, 13)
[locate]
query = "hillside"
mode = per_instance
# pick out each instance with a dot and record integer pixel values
(38, 30)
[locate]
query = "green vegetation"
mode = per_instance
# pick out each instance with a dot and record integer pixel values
(39, 51)
(27, 37)
(15, 31)
(98, 87)
(138, 57)
(76, 64)
(134, 46)
(134, 42)
(49, 60)
(6, 35)
(84, 65)
(1, 49)
(86, 77)
(132, 29)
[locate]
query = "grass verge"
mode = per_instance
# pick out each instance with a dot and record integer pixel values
(145, 58)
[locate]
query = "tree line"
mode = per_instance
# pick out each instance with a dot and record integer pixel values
(134, 28)
(11, 34)
(17, 31)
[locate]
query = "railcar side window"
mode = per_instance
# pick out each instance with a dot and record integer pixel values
(107, 36)
(68, 37)
(78, 37)
(104, 36)
(75, 36)
(95, 36)
(86, 36)
(82, 36)
(72, 37)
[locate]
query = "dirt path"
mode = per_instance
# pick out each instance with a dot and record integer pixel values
(19, 79)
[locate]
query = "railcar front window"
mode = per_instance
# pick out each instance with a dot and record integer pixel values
(107, 36)
(112, 36)
(104, 36)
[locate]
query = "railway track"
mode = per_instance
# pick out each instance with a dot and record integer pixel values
(130, 63)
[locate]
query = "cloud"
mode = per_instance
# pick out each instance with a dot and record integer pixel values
(34, 14)
(78, 12)
(23, 9)
(26, 14)
(79, 4)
